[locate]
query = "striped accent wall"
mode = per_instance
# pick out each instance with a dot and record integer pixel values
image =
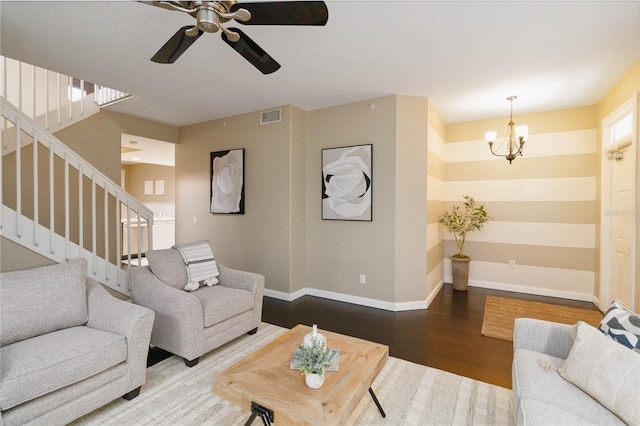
(435, 204)
(544, 206)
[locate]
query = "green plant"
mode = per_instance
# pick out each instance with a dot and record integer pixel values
(314, 358)
(459, 221)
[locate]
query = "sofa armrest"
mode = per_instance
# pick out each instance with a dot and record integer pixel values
(126, 319)
(548, 337)
(179, 320)
(248, 281)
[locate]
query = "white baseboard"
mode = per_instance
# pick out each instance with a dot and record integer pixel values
(424, 304)
(357, 300)
(572, 295)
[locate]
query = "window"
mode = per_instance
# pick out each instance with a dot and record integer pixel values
(621, 129)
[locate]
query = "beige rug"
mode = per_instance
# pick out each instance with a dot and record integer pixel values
(501, 312)
(410, 394)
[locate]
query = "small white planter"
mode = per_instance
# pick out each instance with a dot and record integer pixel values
(313, 380)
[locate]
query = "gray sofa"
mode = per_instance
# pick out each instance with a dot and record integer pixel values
(541, 396)
(190, 324)
(68, 346)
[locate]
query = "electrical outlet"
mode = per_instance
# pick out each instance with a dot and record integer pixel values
(512, 264)
(363, 279)
(195, 219)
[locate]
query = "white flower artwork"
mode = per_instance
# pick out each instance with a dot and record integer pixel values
(347, 183)
(227, 181)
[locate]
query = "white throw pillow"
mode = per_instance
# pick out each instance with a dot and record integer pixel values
(606, 370)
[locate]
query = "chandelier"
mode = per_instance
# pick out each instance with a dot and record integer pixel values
(515, 139)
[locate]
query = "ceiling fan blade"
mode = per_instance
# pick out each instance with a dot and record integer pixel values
(285, 13)
(175, 47)
(252, 52)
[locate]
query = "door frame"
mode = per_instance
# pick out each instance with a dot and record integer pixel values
(609, 148)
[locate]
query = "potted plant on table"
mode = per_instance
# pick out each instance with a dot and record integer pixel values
(314, 359)
(459, 221)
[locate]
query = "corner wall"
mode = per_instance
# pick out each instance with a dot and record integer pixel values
(260, 240)
(435, 202)
(339, 251)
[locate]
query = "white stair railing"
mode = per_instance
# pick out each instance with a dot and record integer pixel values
(53, 100)
(60, 206)
(104, 96)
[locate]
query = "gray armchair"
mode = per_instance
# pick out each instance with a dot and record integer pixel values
(190, 324)
(67, 346)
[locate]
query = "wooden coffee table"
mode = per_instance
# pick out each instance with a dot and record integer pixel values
(263, 382)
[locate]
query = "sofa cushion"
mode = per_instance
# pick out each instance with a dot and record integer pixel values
(535, 376)
(605, 370)
(168, 266)
(220, 303)
(622, 325)
(41, 300)
(534, 412)
(34, 367)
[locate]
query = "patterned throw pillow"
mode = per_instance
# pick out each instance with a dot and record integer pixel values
(622, 325)
(607, 371)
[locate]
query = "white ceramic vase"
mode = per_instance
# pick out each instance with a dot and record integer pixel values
(313, 380)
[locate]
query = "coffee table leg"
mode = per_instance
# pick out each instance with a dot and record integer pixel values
(258, 410)
(373, 395)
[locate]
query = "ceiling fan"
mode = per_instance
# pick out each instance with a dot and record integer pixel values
(211, 15)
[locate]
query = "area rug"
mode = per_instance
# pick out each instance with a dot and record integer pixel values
(411, 394)
(501, 312)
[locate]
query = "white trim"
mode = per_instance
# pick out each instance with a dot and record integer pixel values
(585, 297)
(629, 106)
(356, 300)
(434, 292)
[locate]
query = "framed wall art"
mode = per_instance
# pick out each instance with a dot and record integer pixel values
(227, 181)
(347, 183)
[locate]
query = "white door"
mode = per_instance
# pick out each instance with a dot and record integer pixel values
(622, 226)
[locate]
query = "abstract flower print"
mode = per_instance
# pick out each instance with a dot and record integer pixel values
(226, 182)
(346, 184)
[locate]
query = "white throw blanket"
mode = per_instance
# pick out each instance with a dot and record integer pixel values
(200, 264)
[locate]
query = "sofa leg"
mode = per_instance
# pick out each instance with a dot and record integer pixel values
(129, 396)
(192, 362)
(252, 332)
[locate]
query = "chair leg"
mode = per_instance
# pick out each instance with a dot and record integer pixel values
(252, 332)
(192, 362)
(130, 395)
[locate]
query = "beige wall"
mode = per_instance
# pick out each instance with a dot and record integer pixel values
(260, 239)
(543, 205)
(411, 199)
(339, 251)
(435, 202)
(137, 174)
(97, 139)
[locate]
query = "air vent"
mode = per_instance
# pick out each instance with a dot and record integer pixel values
(273, 116)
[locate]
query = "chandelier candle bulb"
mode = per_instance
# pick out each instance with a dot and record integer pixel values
(490, 136)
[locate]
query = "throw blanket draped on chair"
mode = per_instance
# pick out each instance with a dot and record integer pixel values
(200, 264)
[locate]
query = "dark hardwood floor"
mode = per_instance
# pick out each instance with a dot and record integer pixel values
(445, 336)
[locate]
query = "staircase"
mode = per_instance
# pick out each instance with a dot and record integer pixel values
(53, 201)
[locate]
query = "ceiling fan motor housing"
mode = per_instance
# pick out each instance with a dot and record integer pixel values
(207, 20)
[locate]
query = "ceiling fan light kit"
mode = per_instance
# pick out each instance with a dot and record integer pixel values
(211, 15)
